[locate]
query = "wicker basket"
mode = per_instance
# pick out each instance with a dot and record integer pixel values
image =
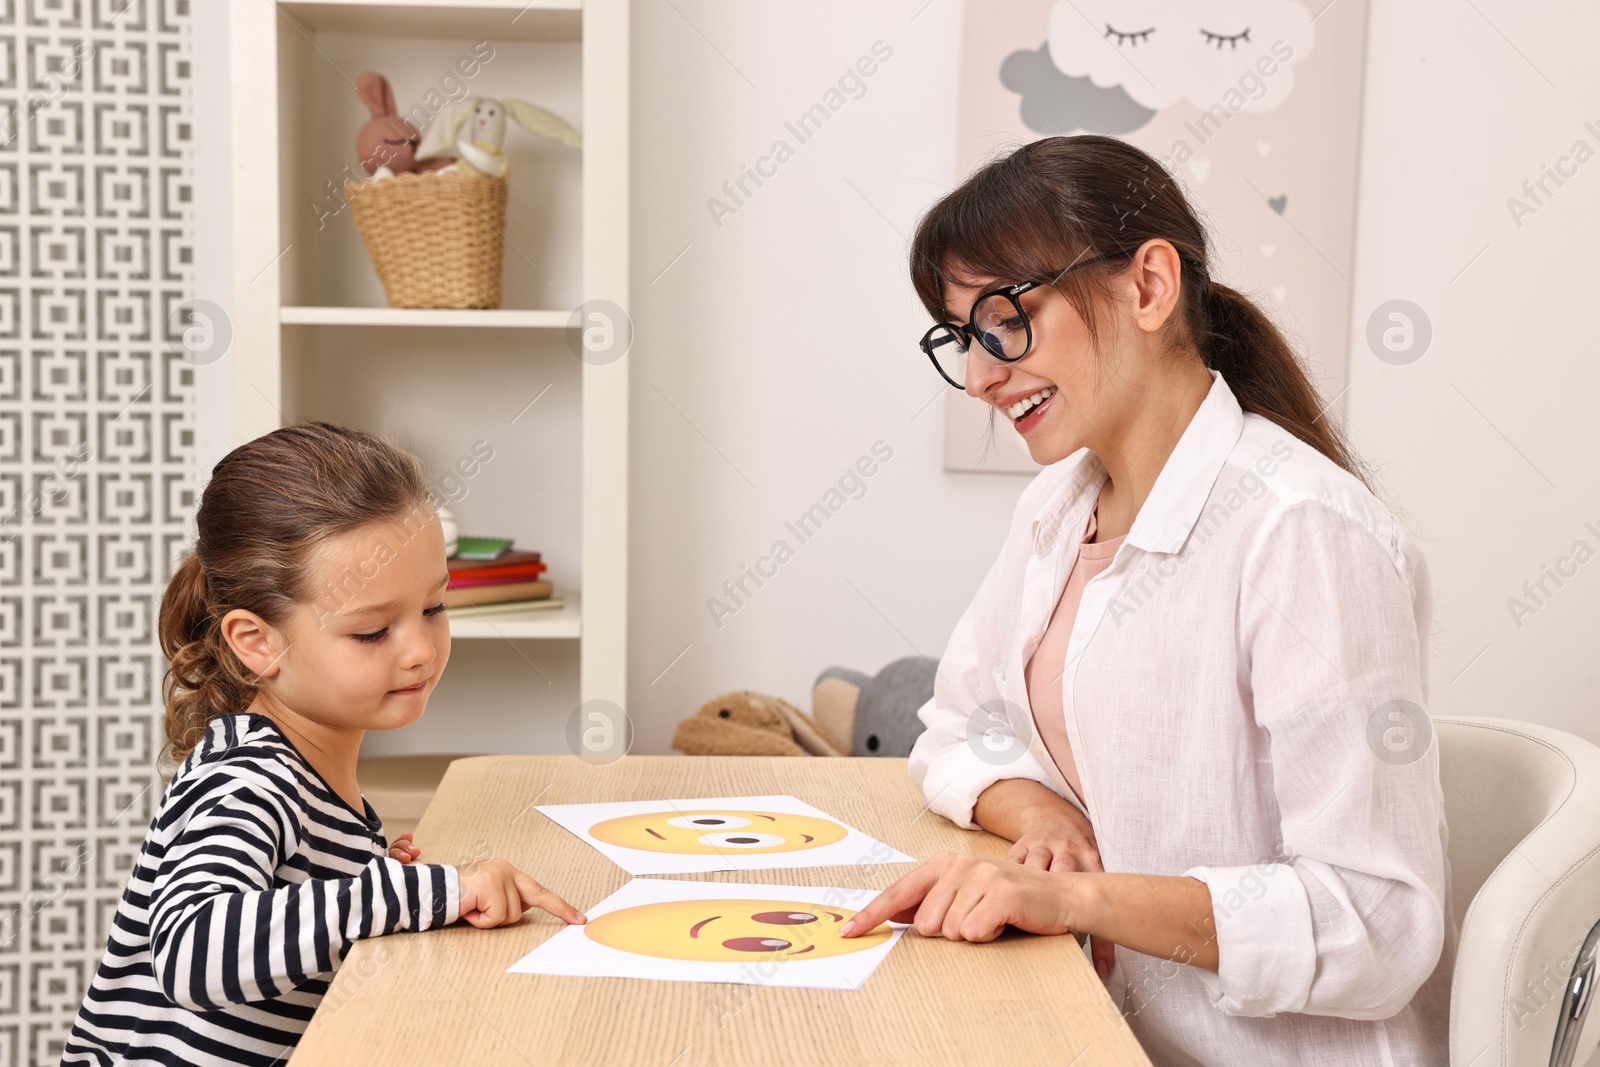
(435, 239)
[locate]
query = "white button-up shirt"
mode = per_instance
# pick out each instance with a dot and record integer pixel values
(1244, 690)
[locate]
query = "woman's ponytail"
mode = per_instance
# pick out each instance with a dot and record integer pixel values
(1237, 339)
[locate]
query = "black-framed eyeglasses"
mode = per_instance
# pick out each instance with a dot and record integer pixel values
(997, 322)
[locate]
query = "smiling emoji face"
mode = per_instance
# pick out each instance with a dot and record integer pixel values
(717, 833)
(730, 931)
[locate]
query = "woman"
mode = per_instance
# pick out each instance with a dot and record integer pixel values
(1191, 688)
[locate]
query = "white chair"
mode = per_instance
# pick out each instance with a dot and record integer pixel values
(1523, 807)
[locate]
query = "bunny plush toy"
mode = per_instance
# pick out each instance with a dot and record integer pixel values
(474, 134)
(387, 144)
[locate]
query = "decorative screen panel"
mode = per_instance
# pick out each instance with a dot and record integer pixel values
(97, 461)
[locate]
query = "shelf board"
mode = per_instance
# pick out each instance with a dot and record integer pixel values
(473, 317)
(492, 20)
(562, 622)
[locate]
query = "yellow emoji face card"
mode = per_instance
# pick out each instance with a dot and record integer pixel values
(719, 932)
(719, 834)
(705, 833)
(723, 930)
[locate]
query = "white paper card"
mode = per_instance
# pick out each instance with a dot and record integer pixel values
(719, 834)
(774, 935)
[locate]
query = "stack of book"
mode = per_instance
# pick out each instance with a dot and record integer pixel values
(487, 575)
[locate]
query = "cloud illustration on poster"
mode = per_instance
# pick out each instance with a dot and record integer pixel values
(1053, 102)
(1159, 52)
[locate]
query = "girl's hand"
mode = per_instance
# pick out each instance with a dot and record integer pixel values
(1061, 839)
(494, 893)
(403, 850)
(964, 898)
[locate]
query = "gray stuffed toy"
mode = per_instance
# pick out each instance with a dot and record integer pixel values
(876, 714)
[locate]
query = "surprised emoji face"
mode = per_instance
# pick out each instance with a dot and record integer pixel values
(709, 833)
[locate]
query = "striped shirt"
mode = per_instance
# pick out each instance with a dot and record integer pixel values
(253, 883)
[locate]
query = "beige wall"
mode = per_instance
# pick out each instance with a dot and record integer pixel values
(1489, 441)
(781, 345)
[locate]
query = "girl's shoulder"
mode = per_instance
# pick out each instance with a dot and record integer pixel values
(240, 748)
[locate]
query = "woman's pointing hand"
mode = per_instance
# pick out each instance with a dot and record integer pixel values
(965, 898)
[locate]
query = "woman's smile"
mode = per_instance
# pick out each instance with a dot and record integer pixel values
(1029, 410)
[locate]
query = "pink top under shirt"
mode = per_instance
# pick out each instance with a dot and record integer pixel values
(1048, 662)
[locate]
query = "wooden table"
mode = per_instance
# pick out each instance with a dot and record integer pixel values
(444, 997)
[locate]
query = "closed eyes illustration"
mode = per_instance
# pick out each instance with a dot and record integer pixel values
(1134, 38)
(1158, 52)
(731, 931)
(710, 833)
(1131, 37)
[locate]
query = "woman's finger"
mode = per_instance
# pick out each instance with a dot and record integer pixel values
(901, 898)
(1018, 852)
(961, 905)
(1079, 857)
(985, 920)
(1039, 856)
(929, 920)
(1104, 954)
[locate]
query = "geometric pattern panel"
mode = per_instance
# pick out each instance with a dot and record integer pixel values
(97, 461)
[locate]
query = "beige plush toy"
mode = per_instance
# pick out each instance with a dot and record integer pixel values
(746, 723)
(475, 133)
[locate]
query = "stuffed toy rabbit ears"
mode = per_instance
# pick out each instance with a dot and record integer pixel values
(373, 90)
(440, 137)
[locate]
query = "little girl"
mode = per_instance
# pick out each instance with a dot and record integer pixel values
(309, 612)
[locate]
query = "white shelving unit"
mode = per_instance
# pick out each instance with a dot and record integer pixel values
(313, 337)
(561, 622)
(386, 316)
